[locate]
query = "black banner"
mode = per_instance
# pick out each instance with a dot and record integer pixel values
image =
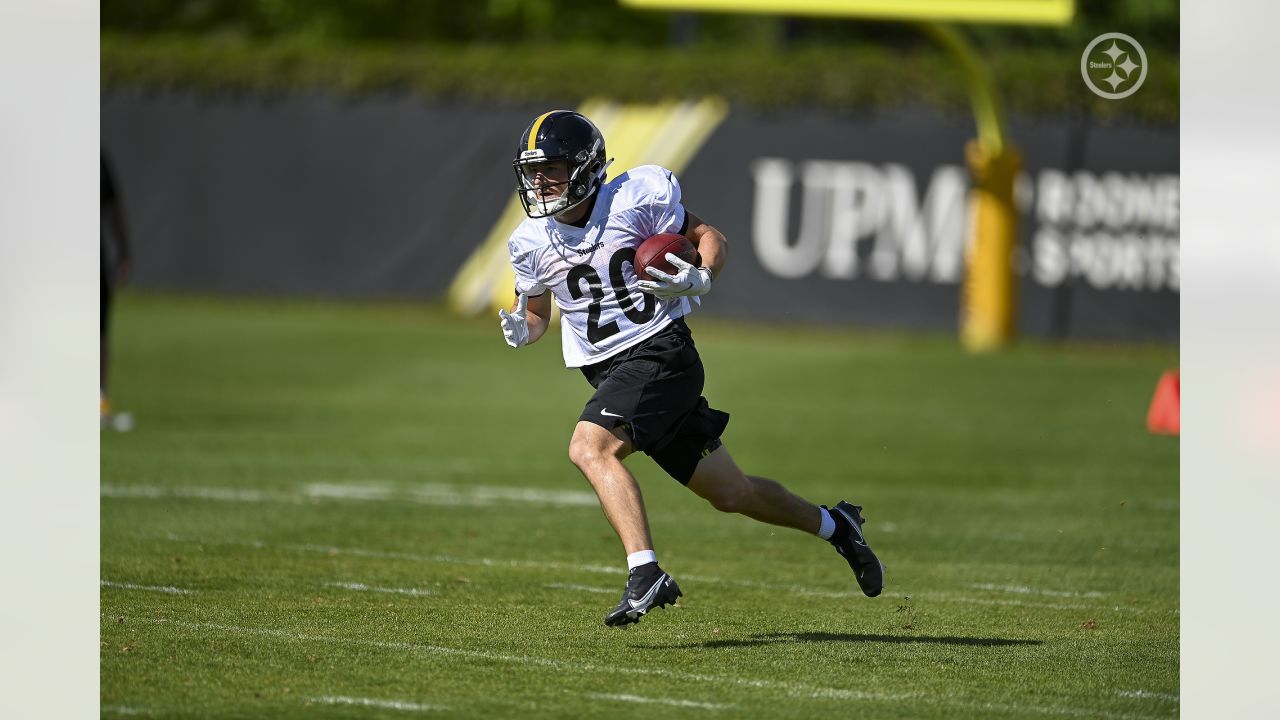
(307, 195)
(864, 221)
(832, 219)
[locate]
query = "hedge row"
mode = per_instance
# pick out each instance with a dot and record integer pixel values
(846, 79)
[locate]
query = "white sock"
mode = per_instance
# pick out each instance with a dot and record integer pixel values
(828, 526)
(643, 557)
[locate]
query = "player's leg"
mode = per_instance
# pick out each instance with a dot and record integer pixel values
(718, 479)
(598, 454)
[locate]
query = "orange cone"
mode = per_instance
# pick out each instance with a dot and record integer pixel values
(1163, 416)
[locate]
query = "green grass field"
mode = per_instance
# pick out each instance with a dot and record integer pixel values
(368, 511)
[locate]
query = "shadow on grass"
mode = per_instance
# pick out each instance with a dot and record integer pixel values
(825, 637)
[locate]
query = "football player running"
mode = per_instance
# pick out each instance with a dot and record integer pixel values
(628, 337)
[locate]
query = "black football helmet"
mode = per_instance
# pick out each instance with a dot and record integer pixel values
(560, 135)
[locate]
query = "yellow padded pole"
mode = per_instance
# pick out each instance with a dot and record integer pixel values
(988, 302)
(988, 317)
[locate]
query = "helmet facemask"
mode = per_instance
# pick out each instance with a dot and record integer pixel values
(586, 172)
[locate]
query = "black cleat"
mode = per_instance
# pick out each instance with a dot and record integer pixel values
(850, 543)
(642, 594)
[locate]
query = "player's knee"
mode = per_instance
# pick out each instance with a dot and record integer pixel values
(725, 502)
(585, 451)
(579, 453)
(590, 445)
(728, 497)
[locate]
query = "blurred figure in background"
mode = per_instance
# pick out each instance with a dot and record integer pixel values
(115, 268)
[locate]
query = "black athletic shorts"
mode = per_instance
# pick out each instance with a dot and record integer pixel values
(653, 390)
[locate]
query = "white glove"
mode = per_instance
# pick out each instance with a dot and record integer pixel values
(689, 281)
(515, 326)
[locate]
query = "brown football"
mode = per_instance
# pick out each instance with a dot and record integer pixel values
(652, 253)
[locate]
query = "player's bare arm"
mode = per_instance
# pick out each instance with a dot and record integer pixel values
(538, 315)
(712, 245)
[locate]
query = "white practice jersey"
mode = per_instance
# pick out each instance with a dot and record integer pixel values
(589, 269)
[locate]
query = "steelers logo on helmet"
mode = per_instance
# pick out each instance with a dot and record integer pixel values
(560, 162)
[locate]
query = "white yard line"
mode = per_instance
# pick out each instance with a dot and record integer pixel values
(361, 587)
(758, 585)
(443, 494)
(376, 703)
(661, 701)
(301, 464)
(121, 710)
(617, 571)
(710, 579)
(790, 689)
(1146, 694)
(583, 588)
(544, 565)
(793, 689)
(536, 565)
(422, 493)
(1024, 590)
(1051, 710)
(948, 597)
(223, 494)
(443, 559)
(154, 588)
(1010, 603)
